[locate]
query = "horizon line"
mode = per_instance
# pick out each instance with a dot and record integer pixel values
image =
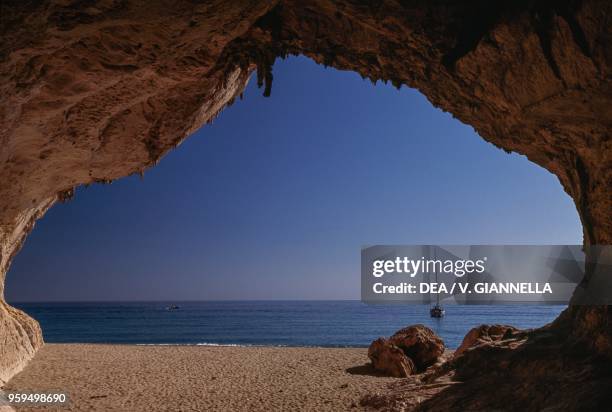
(183, 300)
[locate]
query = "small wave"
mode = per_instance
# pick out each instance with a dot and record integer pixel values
(224, 344)
(236, 345)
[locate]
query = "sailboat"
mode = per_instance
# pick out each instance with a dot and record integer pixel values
(437, 311)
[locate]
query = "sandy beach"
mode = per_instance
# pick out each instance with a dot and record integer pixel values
(197, 378)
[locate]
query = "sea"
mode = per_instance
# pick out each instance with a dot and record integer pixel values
(265, 323)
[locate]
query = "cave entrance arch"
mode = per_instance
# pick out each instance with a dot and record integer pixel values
(93, 95)
(326, 151)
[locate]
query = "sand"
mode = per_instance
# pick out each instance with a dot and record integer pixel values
(200, 378)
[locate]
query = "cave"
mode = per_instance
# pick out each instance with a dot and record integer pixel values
(95, 91)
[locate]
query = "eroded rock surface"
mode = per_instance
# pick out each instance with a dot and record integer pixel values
(516, 370)
(94, 91)
(390, 359)
(420, 344)
(410, 350)
(536, 370)
(20, 335)
(485, 334)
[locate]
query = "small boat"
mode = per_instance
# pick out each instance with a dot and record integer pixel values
(437, 311)
(173, 307)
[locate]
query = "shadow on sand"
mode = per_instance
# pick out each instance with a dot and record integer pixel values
(365, 369)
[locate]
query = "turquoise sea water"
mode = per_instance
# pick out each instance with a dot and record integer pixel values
(282, 323)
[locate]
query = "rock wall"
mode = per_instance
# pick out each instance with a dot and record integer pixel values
(94, 91)
(20, 335)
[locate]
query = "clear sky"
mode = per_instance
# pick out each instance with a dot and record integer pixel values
(276, 198)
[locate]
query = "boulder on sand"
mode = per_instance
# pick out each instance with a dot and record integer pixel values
(388, 358)
(420, 344)
(408, 351)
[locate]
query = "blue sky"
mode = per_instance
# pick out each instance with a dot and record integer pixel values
(276, 198)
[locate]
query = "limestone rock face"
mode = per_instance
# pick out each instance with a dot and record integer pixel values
(485, 334)
(93, 92)
(388, 358)
(20, 335)
(410, 350)
(21, 338)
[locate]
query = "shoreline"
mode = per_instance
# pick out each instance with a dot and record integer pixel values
(223, 345)
(133, 377)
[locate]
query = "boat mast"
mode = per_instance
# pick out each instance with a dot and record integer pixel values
(437, 293)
